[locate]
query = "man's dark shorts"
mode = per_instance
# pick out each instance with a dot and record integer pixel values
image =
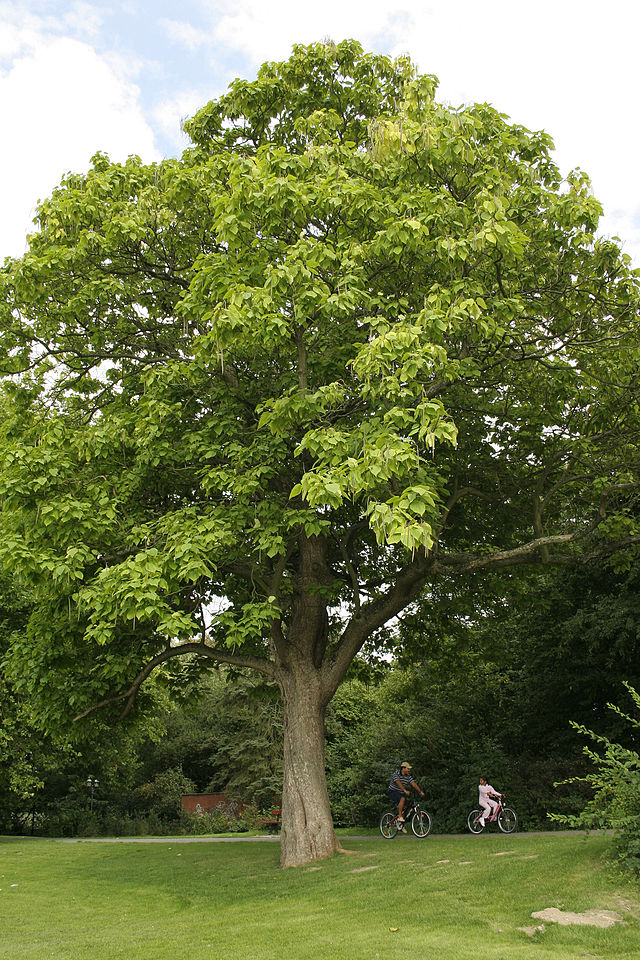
(395, 795)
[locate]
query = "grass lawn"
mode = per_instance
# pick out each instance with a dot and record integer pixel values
(441, 898)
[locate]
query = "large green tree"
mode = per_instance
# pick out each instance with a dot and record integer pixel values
(264, 395)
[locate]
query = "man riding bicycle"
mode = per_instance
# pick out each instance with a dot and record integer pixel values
(398, 790)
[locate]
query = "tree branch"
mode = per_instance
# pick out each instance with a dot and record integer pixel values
(201, 649)
(459, 494)
(373, 615)
(302, 361)
(353, 577)
(413, 578)
(464, 562)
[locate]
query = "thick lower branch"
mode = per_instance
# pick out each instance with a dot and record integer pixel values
(373, 615)
(414, 577)
(201, 649)
(463, 562)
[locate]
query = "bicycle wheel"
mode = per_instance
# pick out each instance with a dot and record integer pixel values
(473, 821)
(388, 825)
(421, 823)
(507, 820)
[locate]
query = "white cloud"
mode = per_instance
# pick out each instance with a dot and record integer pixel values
(60, 103)
(83, 19)
(183, 33)
(15, 37)
(267, 31)
(23, 30)
(169, 114)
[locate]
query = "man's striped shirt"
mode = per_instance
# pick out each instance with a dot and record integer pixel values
(405, 778)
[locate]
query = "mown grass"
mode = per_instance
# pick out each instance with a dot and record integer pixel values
(449, 898)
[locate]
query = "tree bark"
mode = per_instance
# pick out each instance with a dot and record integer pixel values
(307, 826)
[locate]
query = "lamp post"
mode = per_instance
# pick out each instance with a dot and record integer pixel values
(92, 784)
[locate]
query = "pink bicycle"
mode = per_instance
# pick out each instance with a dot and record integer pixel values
(504, 816)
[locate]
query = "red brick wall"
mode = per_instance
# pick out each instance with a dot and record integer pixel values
(204, 802)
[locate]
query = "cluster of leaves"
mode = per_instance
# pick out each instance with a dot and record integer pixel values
(347, 310)
(614, 778)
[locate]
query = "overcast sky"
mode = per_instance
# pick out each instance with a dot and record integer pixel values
(118, 76)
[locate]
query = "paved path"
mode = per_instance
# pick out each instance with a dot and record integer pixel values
(165, 839)
(271, 839)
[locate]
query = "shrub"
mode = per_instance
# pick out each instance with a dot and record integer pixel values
(162, 795)
(616, 785)
(211, 821)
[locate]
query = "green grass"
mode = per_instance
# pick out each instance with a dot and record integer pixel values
(212, 900)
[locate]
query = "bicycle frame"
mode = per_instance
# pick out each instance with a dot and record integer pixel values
(413, 815)
(494, 815)
(411, 806)
(503, 815)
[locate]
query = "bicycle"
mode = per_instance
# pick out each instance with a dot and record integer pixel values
(504, 816)
(413, 813)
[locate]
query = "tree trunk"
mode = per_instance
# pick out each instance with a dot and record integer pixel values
(307, 826)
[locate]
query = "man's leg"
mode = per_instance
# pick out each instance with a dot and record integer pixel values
(401, 804)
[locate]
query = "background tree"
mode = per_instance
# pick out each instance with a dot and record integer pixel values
(494, 691)
(353, 343)
(227, 738)
(21, 747)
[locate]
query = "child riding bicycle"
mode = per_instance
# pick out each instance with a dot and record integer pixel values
(486, 799)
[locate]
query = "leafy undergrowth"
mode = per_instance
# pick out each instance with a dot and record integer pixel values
(451, 898)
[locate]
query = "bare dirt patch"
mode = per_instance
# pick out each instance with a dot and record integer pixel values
(531, 931)
(628, 906)
(362, 869)
(590, 918)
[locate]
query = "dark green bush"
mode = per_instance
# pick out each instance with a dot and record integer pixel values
(615, 782)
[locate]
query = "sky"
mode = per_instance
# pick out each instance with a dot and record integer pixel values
(119, 76)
